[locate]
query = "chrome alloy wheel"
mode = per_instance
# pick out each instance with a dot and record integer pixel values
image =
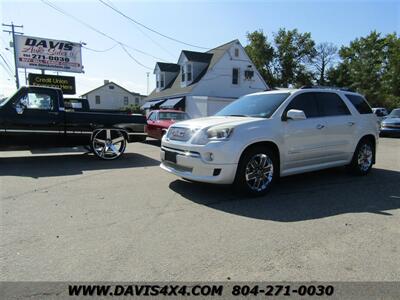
(364, 157)
(259, 172)
(108, 143)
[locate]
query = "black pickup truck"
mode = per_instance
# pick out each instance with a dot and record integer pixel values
(37, 116)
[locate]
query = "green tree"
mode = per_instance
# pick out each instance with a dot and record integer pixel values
(133, 109)
(261, 52)
(294, 52)
(371, 65)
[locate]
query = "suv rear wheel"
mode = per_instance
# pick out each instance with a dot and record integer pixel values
(363, 157)
(257, 171)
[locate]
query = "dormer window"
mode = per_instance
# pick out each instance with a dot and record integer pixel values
(160, 80)
(189, 72)
(183, 79)
(186, 74)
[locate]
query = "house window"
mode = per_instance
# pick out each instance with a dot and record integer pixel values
(126, 101)
(235, 76)
(183, 73)
(236, 52)
(162, 77)
(111, 87)
(97, 99)
(189, 72)
(137, 101)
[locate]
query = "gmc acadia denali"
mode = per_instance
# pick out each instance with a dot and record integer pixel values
(264, 135)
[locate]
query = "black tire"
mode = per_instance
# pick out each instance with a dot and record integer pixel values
(363, 158)
(108, 144)
(264, 174)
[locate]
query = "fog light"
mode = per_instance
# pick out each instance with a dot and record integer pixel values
(216, 172)
(208, 156)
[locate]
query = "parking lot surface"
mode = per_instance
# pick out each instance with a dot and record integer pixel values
(69, 216)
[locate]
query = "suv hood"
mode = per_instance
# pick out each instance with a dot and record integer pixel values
(207, 122)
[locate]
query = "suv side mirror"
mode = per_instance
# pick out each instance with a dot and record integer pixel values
(296, 114)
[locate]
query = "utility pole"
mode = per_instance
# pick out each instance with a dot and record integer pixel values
(147, 73)
(13, 32)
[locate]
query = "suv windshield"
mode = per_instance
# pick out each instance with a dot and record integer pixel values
(173, 116)
(256, 105)
(395, 113)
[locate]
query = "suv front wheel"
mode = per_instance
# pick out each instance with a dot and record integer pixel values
(256, 171)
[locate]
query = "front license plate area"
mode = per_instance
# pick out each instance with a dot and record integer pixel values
(170, 156)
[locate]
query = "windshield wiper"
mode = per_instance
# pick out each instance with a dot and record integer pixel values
(236, 115)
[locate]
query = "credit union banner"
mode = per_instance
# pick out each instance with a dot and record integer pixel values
(65, 83)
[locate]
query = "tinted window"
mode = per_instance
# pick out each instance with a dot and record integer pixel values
(152, 117)
(37, 101)
(173, 116)
(330, 104)
(307, 103)
(255, 105)
(360, 104)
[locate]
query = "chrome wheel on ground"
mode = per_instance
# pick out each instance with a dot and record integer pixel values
(259, 172)
(364, 157)
(108, 143)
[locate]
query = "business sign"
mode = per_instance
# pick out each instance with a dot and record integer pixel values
(47, 54)
(65, 83)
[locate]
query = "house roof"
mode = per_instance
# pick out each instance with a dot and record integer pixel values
(113, 83)
(197, 56)
(168, 67)
(175, 89)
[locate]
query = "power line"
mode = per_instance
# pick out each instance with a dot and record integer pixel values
(148, 36)
(6, 62)
(105, 50)
(148, 28)
(98, 31)
(127, 52)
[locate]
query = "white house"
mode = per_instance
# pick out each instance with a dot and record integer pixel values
(112, 96)
(202, 83)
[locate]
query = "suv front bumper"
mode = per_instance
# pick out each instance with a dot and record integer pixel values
(190, 164)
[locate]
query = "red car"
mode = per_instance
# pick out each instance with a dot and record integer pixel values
(158, 121)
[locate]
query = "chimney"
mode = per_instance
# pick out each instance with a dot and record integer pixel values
(106, 81)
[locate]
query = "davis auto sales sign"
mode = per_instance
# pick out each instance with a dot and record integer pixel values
(47, 54)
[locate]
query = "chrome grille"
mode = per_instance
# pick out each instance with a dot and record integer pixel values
(179, 134)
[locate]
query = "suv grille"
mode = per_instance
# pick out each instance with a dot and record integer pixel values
(179, 134)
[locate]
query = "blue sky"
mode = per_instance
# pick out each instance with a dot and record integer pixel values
(203, 23)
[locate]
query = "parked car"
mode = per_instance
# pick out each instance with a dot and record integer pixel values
(37, 116)
(264, 135)
(390, 126)
(158, 121)
(380, 112)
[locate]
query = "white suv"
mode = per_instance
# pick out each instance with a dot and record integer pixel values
(264, 135)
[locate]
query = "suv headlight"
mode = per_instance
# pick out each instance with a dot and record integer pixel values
(218, 133)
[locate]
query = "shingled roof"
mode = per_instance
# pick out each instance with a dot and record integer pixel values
(168, 67)
(175, 89)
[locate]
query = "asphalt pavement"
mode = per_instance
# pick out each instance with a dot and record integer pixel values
(66, 215)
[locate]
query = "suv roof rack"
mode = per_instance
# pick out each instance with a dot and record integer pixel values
(347, 89)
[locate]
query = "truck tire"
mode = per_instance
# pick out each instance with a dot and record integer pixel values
(108, 144)
(257, 171)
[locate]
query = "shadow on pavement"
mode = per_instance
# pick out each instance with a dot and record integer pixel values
(153, 142)
(69, 164)
(304, 197)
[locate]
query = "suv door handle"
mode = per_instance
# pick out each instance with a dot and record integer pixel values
(350, 123)
(320, 126)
